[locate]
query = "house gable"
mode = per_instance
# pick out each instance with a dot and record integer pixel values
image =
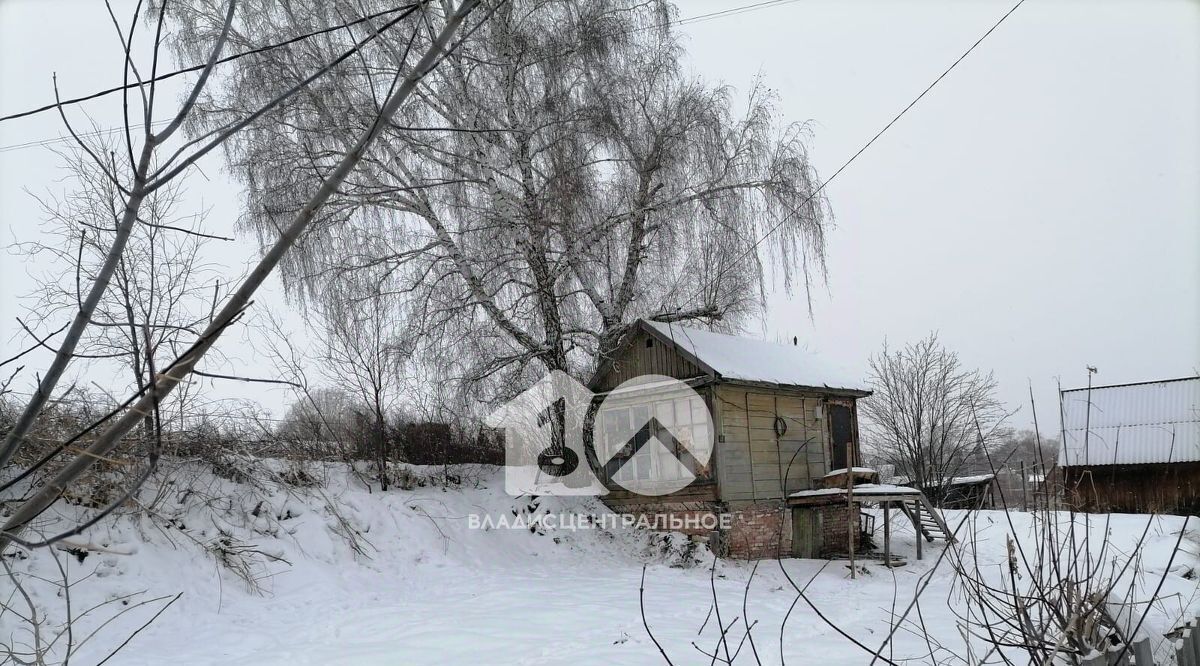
(645, 352)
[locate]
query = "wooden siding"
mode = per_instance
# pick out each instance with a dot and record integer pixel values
(1156, 488)
(699, 492)
(636, 359)
(751, 458)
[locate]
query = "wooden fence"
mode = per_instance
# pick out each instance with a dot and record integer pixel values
(1187, 646)
(1139, 653)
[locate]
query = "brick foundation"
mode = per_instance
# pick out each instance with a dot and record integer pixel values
(759, 531)
(835, 520)
(756, 531)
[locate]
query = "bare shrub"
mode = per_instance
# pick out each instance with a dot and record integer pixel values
(434, 443)
(923, 415)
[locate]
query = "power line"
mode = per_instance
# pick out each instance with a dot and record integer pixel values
(196, 68)
(81, 135)
(733, 11)
(699, 18)
(873, 139)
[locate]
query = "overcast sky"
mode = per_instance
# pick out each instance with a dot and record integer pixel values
(1039, 209)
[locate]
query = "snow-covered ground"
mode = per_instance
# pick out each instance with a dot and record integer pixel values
(427, 588)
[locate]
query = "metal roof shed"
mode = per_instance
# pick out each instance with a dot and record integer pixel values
(1131, 424)
(1133, 447)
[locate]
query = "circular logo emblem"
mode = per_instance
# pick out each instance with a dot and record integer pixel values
(653, 435)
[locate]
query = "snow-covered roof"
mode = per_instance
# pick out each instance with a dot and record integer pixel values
(971, 480)
(856, 470)
(948, 481)
(860, 489)
(747, 359)
(1131, 424)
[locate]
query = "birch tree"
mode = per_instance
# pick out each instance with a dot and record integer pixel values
(562, 176)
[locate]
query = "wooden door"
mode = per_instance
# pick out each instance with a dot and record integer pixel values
(806, 533)
(841, 435)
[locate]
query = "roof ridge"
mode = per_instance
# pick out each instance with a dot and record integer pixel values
(737, 336)
(1142, 383)
(1131, 425)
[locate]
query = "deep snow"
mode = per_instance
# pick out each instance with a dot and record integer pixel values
(428, 589)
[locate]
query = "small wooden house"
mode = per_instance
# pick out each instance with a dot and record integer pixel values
(970, 492)
(1132, 447)
(782, 420)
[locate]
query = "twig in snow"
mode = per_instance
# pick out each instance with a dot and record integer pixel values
(646, 624)
(139, 629)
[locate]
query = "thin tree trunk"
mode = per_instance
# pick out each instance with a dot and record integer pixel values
(170, 378)
(66, 351)
(137, 194)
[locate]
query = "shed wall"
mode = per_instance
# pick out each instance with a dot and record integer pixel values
(1170, 488)
(824, 530)
(755, 464)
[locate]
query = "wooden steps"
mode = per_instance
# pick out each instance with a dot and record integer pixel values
(927, 519)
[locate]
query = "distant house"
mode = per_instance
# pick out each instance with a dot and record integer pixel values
(782, 421)
(970, 492)
(1132, 447)
(977, 491)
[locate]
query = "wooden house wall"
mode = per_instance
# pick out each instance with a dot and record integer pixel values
(697, 494)
(751, 459)
(636, 359)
